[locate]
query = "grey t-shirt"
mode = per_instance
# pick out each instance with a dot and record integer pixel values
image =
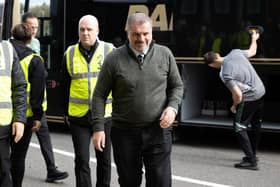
(237, 70)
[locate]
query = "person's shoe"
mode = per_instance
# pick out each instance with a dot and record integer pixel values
(245, 158)
(247, 165)
(56, 175)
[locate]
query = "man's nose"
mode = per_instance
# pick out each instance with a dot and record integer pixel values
(141, 37)
(85, 32)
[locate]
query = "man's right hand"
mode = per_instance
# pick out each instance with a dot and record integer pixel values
(98, 140)
(66, 120)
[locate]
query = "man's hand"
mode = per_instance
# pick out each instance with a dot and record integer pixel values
(236, 98)
(17, 130)
(66, 120)
(36, 125)
(255, 35)
(167, 117)
(233, 109)
(253, 46)
(98, 140)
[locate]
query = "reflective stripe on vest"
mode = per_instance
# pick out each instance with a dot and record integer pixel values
(25, 62)
(6, 63)
(84, 77)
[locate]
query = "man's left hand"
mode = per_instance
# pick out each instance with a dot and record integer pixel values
(233, 109)
(98, 140)
(36, 125)
(167, 117)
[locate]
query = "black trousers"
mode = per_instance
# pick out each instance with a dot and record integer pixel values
(44, 138)
(19, 150)
(81, 137)
(249, 113)
(148, 146)
(5, 163)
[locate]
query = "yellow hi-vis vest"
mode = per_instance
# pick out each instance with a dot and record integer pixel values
(84, 77)
(25, 62)
(6, 64)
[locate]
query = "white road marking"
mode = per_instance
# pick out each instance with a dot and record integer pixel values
(174, 177)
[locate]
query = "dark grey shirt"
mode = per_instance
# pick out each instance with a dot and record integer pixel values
(237, 70)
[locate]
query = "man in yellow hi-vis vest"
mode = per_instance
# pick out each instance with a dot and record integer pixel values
(43, 134)
(35, 75)
(81, 65)
(12, 107)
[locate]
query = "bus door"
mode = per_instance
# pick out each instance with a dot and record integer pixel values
(47, 12)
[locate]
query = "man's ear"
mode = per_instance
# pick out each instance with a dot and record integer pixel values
(97, 32)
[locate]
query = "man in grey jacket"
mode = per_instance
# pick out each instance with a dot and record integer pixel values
(147, 90)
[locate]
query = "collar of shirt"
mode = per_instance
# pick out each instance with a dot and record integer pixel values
(137, 53)
(87, 54)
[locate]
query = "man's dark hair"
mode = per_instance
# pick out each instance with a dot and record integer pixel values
(27, 15)
(22, 32)
(210, 57)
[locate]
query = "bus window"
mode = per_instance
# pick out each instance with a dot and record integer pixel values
(188, 7)
(222, 6)
(42, 10)
(254, 6)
